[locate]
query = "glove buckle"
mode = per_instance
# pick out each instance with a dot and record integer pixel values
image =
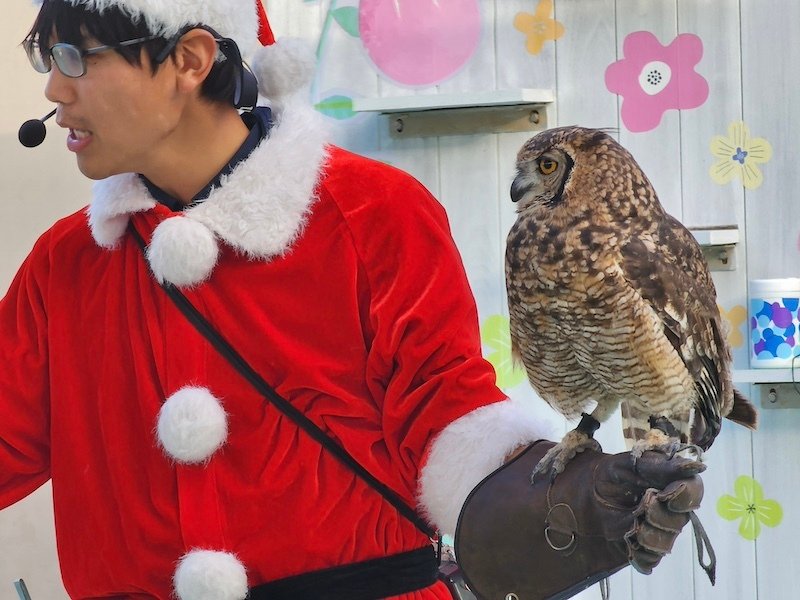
(550, 542)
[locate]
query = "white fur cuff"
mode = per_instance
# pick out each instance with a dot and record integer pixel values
(468, 450)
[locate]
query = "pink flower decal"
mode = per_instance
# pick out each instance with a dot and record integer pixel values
(653, 78)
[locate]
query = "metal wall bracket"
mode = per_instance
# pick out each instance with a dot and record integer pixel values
(720, 258)
(469, 113)
(467, 121)
(779, 395)
(719, 245)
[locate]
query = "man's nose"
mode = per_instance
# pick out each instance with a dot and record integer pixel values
(60, 88)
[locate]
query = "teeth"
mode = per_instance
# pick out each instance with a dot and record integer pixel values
(80, 134)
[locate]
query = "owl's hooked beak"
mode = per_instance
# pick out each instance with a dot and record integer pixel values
(519, 188)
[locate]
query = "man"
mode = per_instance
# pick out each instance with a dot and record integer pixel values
(335, 277)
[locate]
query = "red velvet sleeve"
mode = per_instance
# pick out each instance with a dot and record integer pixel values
(425, 360)
(24, 385)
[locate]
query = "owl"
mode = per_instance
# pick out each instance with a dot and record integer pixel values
(611, 302)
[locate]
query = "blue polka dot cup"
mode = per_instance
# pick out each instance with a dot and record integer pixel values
(774, 323)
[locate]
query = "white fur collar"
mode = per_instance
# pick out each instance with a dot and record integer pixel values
(259, 210)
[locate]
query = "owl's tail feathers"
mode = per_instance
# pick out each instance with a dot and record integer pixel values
(743, 411)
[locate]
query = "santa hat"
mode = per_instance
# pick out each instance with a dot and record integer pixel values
(281, 68)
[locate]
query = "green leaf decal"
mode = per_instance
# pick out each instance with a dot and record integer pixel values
(337, 107)
(347, 18)
(749, 505)
(495, 334)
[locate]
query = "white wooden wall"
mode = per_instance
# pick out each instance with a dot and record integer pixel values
(750, 59)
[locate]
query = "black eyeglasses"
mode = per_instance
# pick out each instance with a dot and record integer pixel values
(69, 59)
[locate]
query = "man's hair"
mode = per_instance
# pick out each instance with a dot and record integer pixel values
(74, 24)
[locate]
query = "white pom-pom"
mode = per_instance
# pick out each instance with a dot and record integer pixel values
(192, 425)
(210, 575)
(182, 252)
(284, 67)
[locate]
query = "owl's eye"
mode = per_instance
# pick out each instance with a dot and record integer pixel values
(547, 166)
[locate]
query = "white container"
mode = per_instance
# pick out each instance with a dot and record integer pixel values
(773, 322)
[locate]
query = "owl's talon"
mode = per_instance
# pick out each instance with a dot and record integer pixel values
(658, 441)
(694, 448)
(556, 459)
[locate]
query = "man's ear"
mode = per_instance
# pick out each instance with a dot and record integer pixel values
(194, 57)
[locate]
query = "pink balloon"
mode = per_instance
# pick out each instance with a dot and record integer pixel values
(419, 42)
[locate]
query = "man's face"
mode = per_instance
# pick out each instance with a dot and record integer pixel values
(121, 118)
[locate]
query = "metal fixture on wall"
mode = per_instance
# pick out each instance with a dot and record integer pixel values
(503, 111)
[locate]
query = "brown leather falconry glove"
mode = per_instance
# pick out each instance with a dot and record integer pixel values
(546, 540)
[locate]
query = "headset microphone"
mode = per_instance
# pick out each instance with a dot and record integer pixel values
(32, 132)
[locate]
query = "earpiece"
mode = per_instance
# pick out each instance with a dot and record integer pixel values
(245, 96)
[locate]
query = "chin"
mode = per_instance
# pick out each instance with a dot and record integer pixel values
(96, 172)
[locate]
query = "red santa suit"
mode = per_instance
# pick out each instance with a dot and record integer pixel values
(337, 279)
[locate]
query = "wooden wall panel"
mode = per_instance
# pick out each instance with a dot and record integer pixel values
(469, 194)
(658, 150)
(589, 45)
(775, 467)
(770, 98)
(706, 203)
(770, 57)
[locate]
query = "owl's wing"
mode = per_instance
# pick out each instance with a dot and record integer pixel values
(668, 270)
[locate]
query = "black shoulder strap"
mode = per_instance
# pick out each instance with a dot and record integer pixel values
(245, 370)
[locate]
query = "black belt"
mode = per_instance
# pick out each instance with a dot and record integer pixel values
(368, 580)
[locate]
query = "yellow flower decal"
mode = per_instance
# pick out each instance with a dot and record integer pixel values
(750, 506)
(738, 154)
(735, 317)
(539, 27)
(495, 334)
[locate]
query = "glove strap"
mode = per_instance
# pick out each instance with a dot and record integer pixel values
(701, 539)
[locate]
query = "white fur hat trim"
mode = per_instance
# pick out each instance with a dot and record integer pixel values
(182, 251)
(210, 575)
(469, 449)
(236, 19)
(284, 68)
(192, 425)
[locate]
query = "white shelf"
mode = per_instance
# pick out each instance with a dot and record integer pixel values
(414, 103)
(721, 236)
(764, 375)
